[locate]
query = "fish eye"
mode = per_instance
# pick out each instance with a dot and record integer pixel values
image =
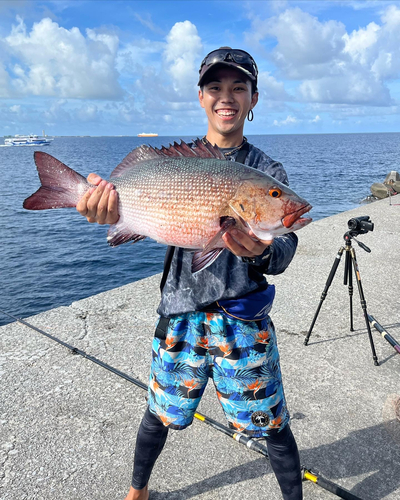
(275, 192)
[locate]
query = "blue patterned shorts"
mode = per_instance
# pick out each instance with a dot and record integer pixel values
(241, 358)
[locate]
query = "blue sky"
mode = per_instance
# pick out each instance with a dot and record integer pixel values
(124, 67)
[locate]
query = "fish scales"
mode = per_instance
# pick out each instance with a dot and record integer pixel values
(186, 201)
(178, 201)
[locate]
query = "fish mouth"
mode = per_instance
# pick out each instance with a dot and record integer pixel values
(290, 219)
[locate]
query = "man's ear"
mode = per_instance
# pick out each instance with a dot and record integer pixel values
(201, 100)
(254, 100)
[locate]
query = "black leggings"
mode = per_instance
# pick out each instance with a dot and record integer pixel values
(282, 450)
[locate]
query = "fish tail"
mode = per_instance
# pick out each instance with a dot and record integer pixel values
(61, 186)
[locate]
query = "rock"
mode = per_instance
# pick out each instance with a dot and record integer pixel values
(390, 186)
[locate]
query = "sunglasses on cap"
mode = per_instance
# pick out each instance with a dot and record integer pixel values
(235, 57)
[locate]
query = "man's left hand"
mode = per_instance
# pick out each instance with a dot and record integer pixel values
(245, 244)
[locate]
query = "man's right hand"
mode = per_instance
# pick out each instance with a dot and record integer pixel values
(99, 204)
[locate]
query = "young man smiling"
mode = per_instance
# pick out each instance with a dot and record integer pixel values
(198, 336)
(227, 97)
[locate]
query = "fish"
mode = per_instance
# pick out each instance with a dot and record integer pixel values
(181, 195)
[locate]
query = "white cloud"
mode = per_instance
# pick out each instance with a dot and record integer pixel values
(357, 88)
(376, 47)
(5, 87)
(334, 66)
(271, 89)
(181, 56)
(19, 118)
(360, 42)
(88, 113)
(316, 119)
(54, 61)
(289, 120)
(165, 72)
(136, 55)
(304, 42)
(57, 112)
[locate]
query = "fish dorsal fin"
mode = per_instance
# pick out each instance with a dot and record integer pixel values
(207, 150)
(136, 156)
(199, 150)
(176, 150)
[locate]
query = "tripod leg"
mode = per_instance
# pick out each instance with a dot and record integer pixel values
(324, 293)
(348, 278)
(363, 304)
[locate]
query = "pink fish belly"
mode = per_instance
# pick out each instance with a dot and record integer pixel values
(187, 225)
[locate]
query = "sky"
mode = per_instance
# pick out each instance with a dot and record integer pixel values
(108, 68)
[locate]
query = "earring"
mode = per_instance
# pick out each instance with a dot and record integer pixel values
(250, 115)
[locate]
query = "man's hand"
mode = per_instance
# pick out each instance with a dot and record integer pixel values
(245, 244)
(99, 204)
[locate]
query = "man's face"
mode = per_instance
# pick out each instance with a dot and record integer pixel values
(227, 99)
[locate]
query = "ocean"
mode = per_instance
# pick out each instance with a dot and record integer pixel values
(54, 257)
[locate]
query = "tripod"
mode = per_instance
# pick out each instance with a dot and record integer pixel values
(348, 279)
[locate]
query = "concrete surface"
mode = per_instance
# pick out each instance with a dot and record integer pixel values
(68, 427)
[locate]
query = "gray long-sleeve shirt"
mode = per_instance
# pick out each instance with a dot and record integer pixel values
(228, 277)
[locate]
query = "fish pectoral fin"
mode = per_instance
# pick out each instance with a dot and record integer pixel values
(119, 233)
(202, 259)
(213, 248)
(226, 223)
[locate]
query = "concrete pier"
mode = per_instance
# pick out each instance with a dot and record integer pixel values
(68, 427)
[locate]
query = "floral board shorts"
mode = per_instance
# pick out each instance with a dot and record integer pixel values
(242, 359)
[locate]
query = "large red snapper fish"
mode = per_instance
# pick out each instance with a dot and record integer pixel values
(180, 196)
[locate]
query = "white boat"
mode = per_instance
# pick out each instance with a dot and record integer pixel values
(27, 140)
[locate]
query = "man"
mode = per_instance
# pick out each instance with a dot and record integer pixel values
(200, 333)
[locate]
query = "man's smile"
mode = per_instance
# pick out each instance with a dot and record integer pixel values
(226, 112)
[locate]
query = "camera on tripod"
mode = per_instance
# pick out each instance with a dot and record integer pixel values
(357, 225)
(360, 225)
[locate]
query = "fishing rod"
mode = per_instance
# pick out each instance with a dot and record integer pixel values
(386, 335)
(240, 438)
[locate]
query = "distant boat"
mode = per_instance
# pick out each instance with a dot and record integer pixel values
(143, 134)
(27, 140)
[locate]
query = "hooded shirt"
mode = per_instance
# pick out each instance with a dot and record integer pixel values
(229, 276)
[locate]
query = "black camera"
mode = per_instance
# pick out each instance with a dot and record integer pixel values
(360, 225)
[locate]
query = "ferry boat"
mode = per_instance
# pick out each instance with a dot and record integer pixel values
(143, 134)
(27, 140)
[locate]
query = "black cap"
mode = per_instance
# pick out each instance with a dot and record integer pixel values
(234, 58)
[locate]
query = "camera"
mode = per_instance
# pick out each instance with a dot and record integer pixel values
(360, 225)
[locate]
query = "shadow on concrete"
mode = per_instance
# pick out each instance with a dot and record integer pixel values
(364, 452)
(358, 332)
